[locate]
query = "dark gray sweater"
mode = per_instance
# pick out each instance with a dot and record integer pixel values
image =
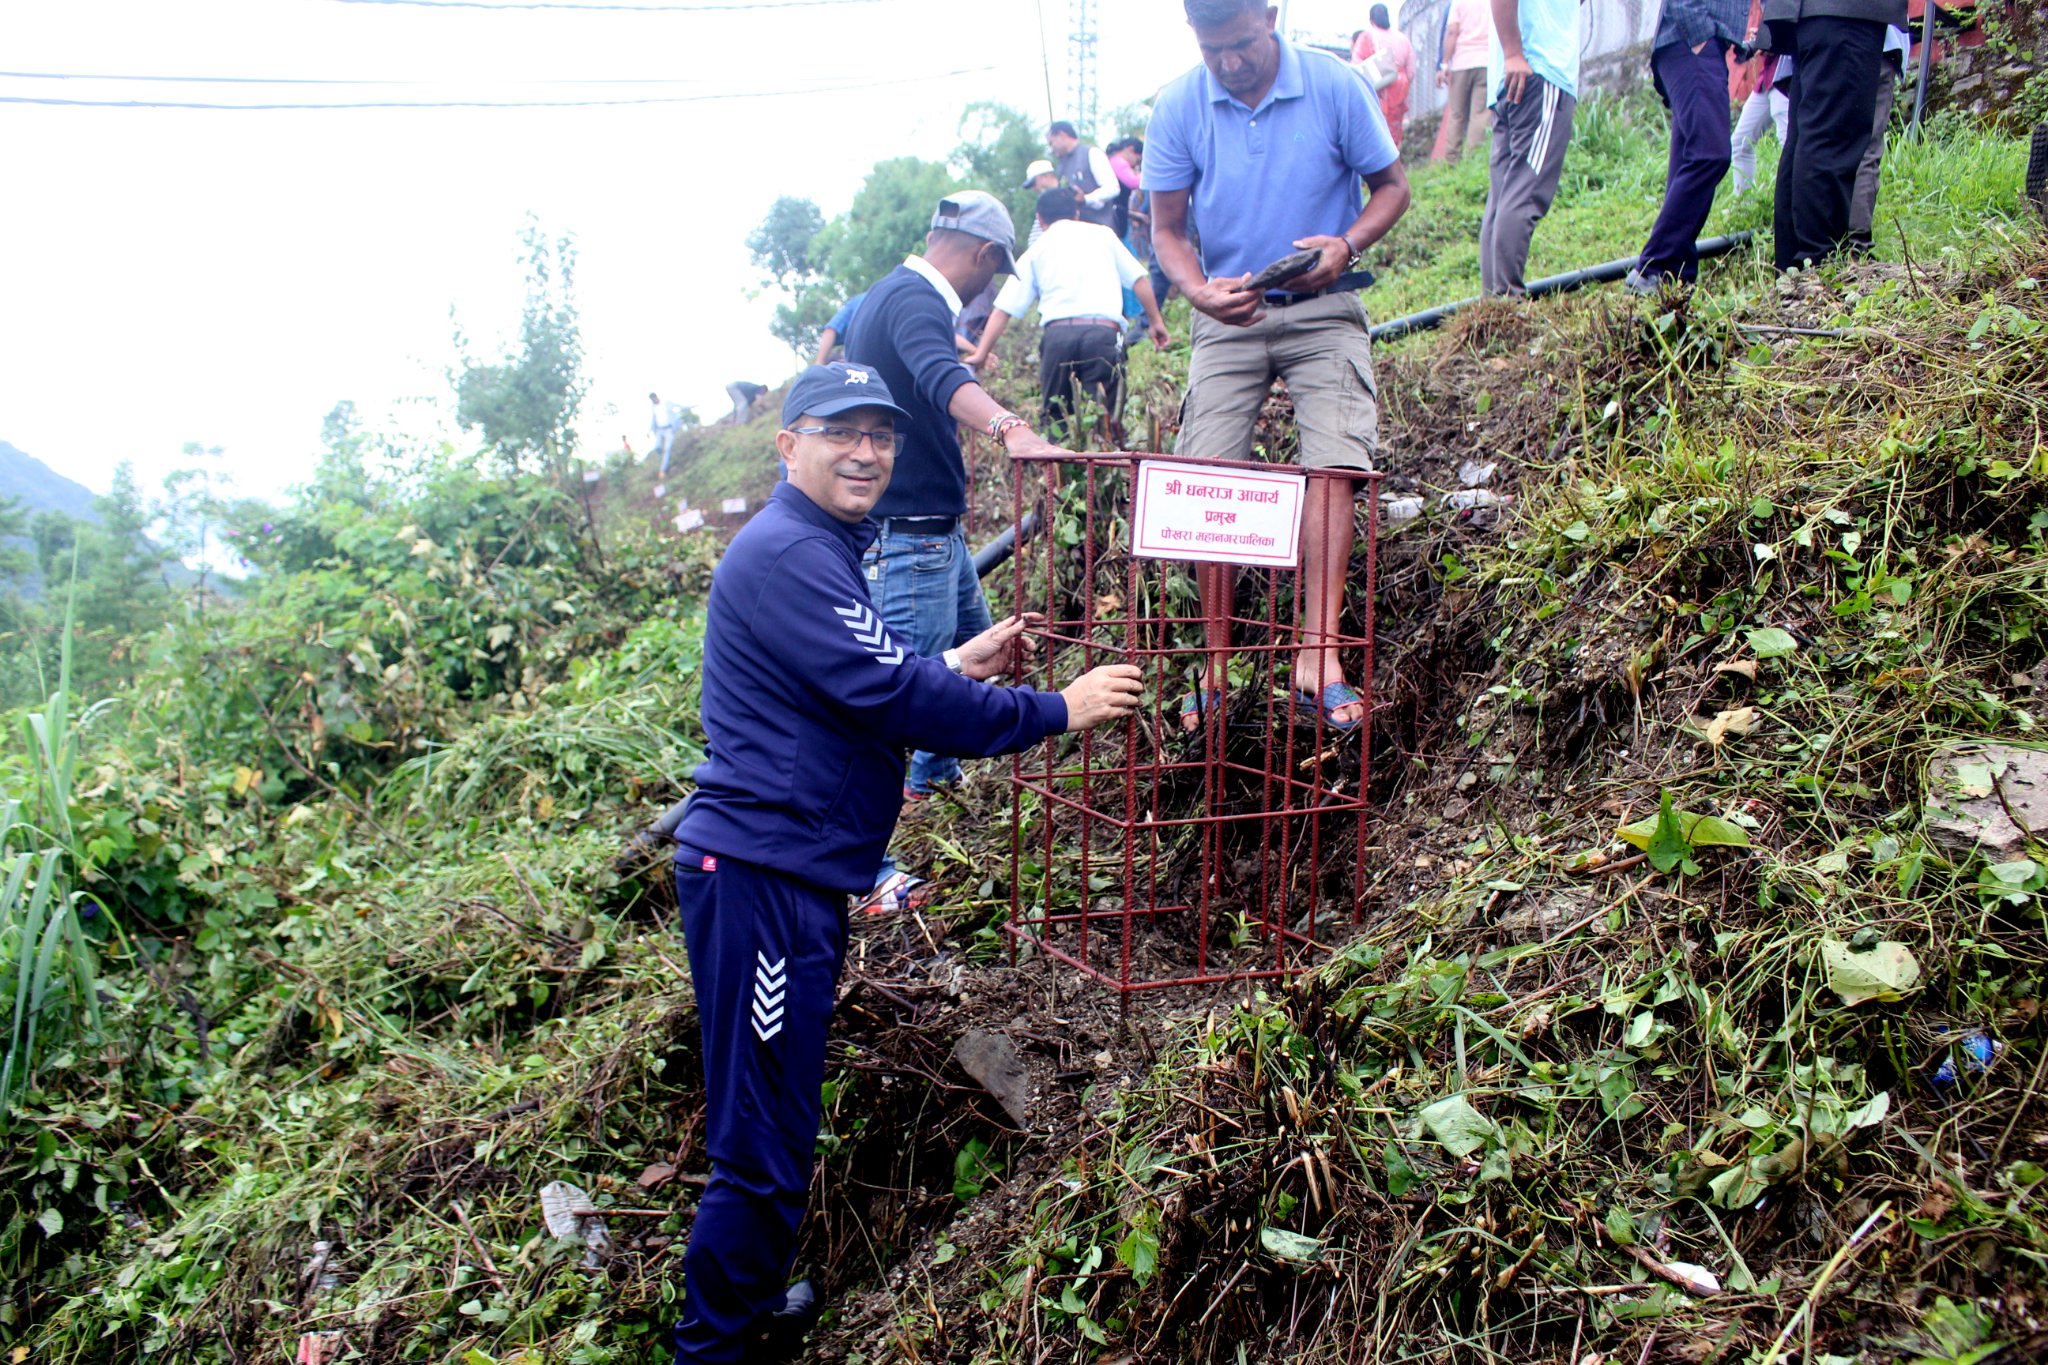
(1780, 15)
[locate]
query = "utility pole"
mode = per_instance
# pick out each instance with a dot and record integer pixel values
(1081, 65)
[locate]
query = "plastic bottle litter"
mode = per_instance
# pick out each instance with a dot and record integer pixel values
(1977, 1051)
(1394, 511)
(1466, 499)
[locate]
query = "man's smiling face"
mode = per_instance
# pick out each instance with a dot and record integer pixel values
(842, 462)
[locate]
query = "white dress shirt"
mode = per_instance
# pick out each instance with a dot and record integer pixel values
(1077, 270)
(938, 281)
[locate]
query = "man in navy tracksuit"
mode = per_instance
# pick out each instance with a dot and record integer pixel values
(809, 703)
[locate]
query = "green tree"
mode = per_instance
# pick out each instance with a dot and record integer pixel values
(188, 517)
(784, 247)
(996, 144)
(17, 561)
(122, 597)
(525, 405)
(887, 220)
(781, 245)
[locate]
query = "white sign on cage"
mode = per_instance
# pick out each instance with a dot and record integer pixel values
(1223, 516)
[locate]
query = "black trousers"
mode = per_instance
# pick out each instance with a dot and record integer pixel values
(1080, 360)
(1836, 66)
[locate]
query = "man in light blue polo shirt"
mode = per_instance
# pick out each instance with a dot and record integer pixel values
(1532, 85)
(1268, 143)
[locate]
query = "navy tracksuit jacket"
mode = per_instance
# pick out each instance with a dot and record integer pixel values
(809, 705)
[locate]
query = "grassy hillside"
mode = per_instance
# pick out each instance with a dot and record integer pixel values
(350, 954)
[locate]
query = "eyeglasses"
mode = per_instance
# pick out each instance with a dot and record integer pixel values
(846, 440)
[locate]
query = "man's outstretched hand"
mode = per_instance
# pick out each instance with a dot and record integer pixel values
(1102, 695)
(1025, 442)
(989, 654)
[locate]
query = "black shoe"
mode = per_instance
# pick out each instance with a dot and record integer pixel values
(786, 1327)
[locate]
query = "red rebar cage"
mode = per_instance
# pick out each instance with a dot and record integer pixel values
(1199, 841)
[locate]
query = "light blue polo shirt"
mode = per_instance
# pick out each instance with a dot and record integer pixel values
(1551, 42)
(1261, 178)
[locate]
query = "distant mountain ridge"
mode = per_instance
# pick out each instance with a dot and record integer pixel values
(42, 488)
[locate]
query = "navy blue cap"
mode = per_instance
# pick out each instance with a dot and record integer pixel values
(828, 390)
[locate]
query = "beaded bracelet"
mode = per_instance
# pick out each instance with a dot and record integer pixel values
(1001, 423)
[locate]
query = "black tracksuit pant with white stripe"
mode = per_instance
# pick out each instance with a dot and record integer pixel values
(1529, 138)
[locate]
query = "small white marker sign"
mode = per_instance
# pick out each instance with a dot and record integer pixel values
(592, 475)
(689, 519)
(732, 507)
(1223, 516)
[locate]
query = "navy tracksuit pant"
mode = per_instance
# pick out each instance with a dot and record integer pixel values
(765, 952)
(1695, 86)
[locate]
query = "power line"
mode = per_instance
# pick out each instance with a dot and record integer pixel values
(496, 104)
(335, 80)
(617, 8)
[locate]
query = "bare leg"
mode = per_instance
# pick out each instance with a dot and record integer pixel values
(1215, 583)
(1327, 537)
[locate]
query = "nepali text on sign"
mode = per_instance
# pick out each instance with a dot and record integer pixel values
(1226, 516)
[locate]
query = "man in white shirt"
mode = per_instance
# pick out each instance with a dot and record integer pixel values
(1085, 167)
(663, 428)
(1076, 275)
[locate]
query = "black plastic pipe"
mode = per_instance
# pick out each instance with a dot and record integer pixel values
(999, 550)
(1550, 284)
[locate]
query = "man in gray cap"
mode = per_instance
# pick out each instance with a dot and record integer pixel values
(919, 570)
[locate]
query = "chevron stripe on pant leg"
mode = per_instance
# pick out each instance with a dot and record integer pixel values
(765, 952)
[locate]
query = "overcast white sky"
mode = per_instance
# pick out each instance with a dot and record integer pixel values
(174, 275)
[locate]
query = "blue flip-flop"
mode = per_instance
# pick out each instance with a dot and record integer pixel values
(1309, 709)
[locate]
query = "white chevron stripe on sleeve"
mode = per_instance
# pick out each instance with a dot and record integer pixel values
(871, 631)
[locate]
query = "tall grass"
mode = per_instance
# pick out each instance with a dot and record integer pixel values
(47, 964)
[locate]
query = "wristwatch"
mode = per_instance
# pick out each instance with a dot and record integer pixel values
(953, 661)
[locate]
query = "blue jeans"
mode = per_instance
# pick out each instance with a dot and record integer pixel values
(924, 586)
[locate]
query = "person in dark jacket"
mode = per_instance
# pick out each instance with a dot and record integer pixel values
(1836, 47)
(919, 568)
(1689, 66)
(808, 703)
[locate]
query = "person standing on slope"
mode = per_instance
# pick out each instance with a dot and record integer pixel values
(809, 701)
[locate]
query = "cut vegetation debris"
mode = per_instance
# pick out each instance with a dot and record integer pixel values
(1685, 1026)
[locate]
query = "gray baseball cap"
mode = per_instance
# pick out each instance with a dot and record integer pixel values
(980, 214)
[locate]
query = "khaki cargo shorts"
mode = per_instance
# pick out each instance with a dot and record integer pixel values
(1323, 349)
